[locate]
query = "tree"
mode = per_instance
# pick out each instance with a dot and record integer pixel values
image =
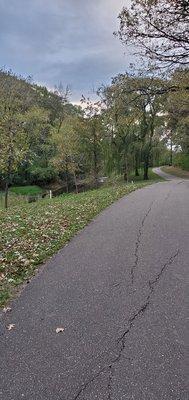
(68, 156)
(91, 133)
(178, 115)
(32, 112)
(119, 127)
(37, 128)
(158, 29)
(135, 103)
(16, 97)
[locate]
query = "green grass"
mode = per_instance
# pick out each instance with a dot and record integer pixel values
(18, 195)
(176, 171)
(26, 190)
(13, 200)
(33, 232)
(151, 174)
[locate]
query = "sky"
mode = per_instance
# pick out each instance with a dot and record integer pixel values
(68, 41)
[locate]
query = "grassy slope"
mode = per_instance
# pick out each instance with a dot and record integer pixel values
(33, 232)
(176, 171)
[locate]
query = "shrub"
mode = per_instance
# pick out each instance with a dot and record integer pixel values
(182, 160)
(42, 176)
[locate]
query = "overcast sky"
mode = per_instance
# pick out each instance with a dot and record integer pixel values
(62, 40)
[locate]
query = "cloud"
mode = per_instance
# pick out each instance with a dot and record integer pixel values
(60, 40)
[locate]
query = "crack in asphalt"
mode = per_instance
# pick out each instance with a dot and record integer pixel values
(168, 195)
(91, 380)
(137, 244)
(179, 183)
(122, 340)
(146, 304)
(165, 266)
(110, 382)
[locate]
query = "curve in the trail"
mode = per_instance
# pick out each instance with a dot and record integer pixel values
(165, 175)
(119, 289)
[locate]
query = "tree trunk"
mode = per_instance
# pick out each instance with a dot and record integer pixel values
(171, 155)
(146, 166)
(126, 178)
(6, 194)
(60, 123)
(67, 185)
(136, 164)
(149, 149)
(136, 171)
(148, 155)
(95, 157)
(75, 182)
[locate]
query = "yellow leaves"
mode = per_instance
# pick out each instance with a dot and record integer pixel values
(25, 262)
(2, 276)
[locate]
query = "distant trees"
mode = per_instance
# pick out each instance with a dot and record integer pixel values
(134, 105)
(28, 113)
(178, 115)
(46, 138)
(138, 118)
(158, 29)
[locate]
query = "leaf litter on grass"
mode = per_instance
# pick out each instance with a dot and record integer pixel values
(33, 232)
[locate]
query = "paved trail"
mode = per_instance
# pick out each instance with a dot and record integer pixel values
(120, 290)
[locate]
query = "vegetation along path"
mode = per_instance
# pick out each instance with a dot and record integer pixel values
(105, 319)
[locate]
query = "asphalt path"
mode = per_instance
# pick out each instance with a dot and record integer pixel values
(166, 175)
(120, 291)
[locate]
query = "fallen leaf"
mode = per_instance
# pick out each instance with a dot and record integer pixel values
(2, 276)
(7, 309)
(59, 330)
(10, 327)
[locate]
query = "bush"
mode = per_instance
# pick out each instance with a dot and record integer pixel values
(42, 176)
(182, 160)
